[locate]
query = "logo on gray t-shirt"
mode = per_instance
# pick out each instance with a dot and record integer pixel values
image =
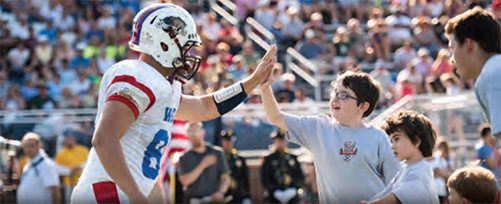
(349, 150)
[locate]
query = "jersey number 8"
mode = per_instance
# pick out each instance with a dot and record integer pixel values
(153, 153)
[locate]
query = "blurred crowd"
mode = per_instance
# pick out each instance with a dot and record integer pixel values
(53, 53)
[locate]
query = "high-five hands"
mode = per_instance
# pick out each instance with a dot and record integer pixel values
(266, 65)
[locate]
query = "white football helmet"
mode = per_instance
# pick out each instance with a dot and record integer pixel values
(167, 32)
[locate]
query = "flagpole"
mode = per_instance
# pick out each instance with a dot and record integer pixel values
(172, 174)
(172, 180)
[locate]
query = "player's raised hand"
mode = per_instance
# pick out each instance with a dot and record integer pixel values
(265, 66)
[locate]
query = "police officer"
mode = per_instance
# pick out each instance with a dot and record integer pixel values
(239, 187)
(281, 173)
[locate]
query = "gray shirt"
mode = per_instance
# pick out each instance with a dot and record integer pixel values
(413, 184)
(208, 182)
(488, 92)
(351, 164)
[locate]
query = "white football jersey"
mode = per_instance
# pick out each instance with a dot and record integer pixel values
(154, 101)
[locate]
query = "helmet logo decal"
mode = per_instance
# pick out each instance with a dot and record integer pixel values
(172, 25)
(138, 23)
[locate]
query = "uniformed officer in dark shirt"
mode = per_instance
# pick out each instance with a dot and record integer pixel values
(281, 173)
(239, 187)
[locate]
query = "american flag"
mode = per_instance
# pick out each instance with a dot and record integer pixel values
(178, 144)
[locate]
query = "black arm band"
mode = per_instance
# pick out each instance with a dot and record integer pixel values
(228, 98)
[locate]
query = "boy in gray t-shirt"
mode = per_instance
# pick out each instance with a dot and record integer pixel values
(353, 161)
(412, 139)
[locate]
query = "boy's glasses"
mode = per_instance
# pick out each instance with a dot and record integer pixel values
(342, 96)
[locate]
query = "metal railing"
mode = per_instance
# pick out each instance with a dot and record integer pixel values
(378, 120)
(307, 63)
(41, 116)
(258, 40)
(223, 13)
(256, 26)
(421, 103)
(230, 5)
(308, 78)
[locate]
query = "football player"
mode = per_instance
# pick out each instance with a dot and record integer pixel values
(139, 99)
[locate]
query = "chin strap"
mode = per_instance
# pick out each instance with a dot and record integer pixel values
(173, 77)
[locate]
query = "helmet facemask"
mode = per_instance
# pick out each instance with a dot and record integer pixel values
(187, 65)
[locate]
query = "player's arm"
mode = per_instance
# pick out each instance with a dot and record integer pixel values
(210, 106)
(111, 126)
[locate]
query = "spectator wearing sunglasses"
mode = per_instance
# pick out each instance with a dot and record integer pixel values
(354, 160)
